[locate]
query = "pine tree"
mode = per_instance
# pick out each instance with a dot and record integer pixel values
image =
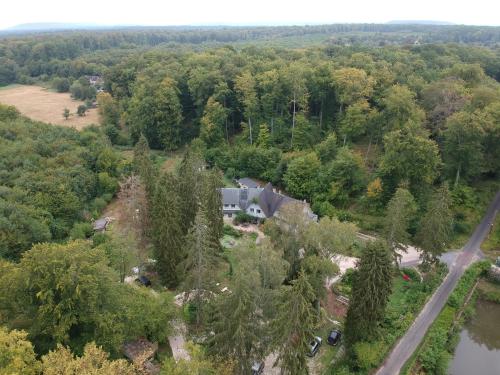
(371, 288)
(166, 232)
(294, 325)
(211, 200)
(436, 225)
(188, 188)
(201, 257)
(400, 211)
(237, 323)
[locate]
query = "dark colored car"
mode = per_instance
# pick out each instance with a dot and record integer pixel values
(334, 337)
(314, 346)
(257, 368)
(143, 280)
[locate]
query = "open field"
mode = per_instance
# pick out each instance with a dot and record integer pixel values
(41, 104)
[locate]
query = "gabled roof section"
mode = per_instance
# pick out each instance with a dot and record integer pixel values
(269, 200)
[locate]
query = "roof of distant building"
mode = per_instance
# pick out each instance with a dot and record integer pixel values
(248, 182)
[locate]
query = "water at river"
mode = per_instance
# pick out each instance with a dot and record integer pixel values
(478, 352)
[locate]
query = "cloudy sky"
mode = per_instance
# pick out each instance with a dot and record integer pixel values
(246, 12)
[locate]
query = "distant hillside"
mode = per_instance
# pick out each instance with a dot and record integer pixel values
(419, 22)
(53, 26)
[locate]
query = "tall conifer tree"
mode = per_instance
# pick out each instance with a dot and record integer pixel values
(293, 328)
(166, 231)
(371, 288)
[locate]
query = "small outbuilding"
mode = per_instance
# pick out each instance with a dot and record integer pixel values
(100, 225)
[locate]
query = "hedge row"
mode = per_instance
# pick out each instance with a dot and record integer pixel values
(435, 352)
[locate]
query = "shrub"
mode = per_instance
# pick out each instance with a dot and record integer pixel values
(411, 273)
(81, 231)
(243, 217)
(230, 231)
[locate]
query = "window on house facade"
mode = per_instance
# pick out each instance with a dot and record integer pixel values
(233, 206)
(226, 205)
(258, 211)
(251, 210)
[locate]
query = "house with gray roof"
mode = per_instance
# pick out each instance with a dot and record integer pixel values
(261, 203)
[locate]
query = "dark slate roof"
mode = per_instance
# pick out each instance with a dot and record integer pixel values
(241, 197)
(248, 182)
(100, 224)
(230, 195)
(270, 201)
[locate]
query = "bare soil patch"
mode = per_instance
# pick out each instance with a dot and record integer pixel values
(334, 307)
(41, 104)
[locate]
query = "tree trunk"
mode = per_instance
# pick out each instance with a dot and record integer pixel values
(457, 177)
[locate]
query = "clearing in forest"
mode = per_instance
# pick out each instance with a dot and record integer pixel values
(41, 104)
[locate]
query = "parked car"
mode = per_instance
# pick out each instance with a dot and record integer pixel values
(257, 368)
(314, 346)
(143, 280)
(334, 337)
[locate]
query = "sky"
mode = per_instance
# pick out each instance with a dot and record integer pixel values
(246, 12)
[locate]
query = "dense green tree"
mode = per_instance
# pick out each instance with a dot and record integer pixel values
(238, 323)
(328, 148)
(409, 156)
(108, 109)
(81, 110)
(67, 293)
(356, 120)
(463, 152)
(436, 225)
(156, 112)
(211, 201)
(66, 113)
(401, 210)
(330, 237)
(16, 353)
(344, 177)
(400, 107)
(93, 361)
(245, 88)
(491, 139)
(189, 187)
(201, 258)
(371, 288)
(352, 84)
(213, 123)
(166, 233)
(264, 139)
(300, 177)
(293, 327)
(143, 166)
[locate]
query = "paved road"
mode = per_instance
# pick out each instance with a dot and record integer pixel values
(409, 342)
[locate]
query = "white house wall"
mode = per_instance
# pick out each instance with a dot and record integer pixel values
(255, 211)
